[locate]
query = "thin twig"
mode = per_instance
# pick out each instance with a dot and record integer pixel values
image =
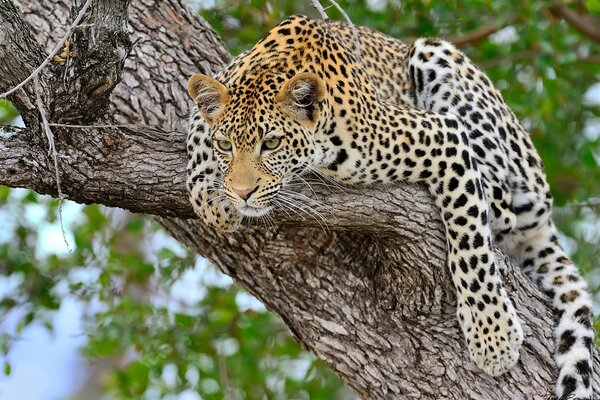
(51, 151)
(103, 126)
(130, 126)
(349, 21)
(54, 51)
(341, 10)
(476, 35)
(593, 58)
(509, 58)
(316, 4)
(582, 21)
(356, 40)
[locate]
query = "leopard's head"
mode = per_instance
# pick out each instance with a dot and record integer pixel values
(262, 133)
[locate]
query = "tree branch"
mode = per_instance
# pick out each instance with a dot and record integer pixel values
(476, 35)
(371, 296)
(584, 22)
(100, 46)
(20, 55)
(52, 53)
(142, 169)
(317, 5)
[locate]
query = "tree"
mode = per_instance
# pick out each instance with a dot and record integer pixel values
(369, 293)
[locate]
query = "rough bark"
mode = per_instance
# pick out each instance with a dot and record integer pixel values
(370, 294)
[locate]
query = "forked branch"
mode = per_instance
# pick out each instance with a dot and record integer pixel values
(371, 296)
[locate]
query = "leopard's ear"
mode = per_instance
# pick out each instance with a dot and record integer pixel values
(300, 96)
(210, 94)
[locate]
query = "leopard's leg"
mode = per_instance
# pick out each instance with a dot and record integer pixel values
(435, 149)
(205, 180)
(485, 311)
(440, 86)
(486, 314)
(446, 81)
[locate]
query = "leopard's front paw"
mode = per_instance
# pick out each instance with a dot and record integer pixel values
(221, 218)
(493, 334)
(215, 211)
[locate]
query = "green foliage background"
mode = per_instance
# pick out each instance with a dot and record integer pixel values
(220, 348)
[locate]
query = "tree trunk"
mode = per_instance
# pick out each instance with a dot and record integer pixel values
(368, 293)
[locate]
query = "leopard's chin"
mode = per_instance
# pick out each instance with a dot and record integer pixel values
(249, 211)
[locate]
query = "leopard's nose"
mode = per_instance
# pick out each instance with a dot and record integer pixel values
(245, 193)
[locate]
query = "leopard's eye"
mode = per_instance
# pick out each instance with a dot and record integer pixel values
(271, 144)
(224, 145)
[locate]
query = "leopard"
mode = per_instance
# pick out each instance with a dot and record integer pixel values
(363, 108)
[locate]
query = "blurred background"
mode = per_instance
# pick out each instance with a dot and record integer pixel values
(109, 306)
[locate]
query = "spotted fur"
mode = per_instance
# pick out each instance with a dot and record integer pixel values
(383, 113)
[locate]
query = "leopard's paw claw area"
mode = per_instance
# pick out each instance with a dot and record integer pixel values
(222, 219)
(493, 337)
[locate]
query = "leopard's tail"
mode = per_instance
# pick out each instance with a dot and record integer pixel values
(546, 263)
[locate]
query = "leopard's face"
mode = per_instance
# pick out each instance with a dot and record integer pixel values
(258, 159)
(260, 145)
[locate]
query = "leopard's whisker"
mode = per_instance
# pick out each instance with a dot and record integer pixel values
(285, 206)
(307, 184)
(278, 207)
(323, 177)
(296, 206)
(307, 209)
(269, 220)
(302, 196)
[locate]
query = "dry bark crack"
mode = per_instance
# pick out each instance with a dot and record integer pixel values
(371, 296)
